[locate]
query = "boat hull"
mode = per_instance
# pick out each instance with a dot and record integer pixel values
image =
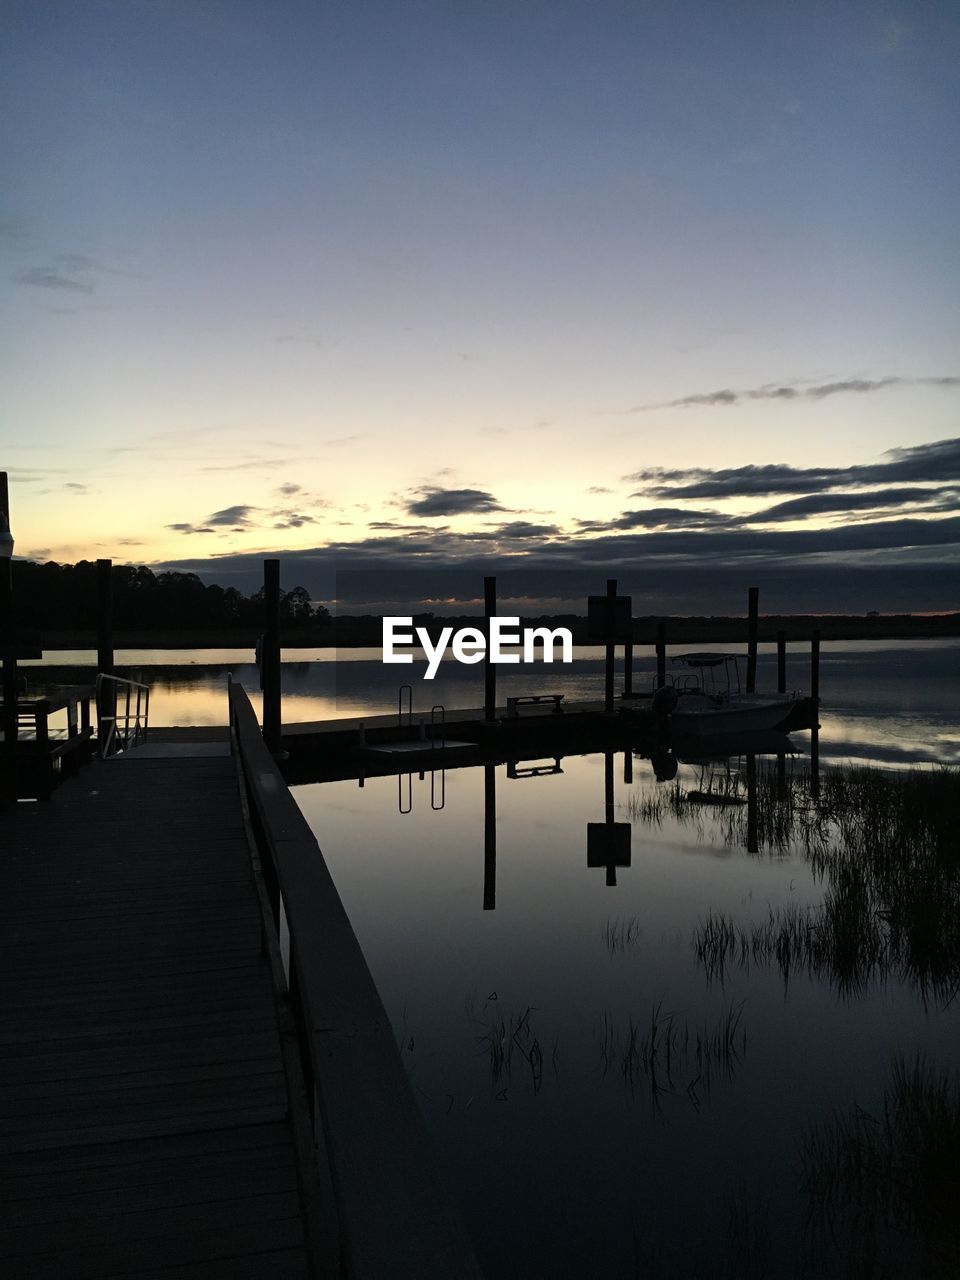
(741, 715)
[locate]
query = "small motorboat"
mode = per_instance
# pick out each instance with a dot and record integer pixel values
(707, 699)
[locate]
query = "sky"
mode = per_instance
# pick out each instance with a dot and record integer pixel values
(669, 289)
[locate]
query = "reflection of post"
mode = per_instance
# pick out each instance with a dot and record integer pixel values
(609, 629)
(628, 665)
(815, 727)
(608, 842)
(661, 654)
(628, 767)
(752, 610)
(107, 705)
(11, 691)
(489, 670)
(271, 655)
(752, 845)
(489, 837)
(781, 662)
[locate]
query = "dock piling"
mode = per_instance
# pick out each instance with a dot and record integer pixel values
(489, 670)
(753, 600)
(10, 683)
(815, 727)
(610, 658)
(270, 662)
(107, 700)
(781, 662)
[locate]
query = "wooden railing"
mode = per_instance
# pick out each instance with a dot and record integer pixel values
(395, 1218)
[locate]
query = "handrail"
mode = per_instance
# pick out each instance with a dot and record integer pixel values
(112, 737)
(396, 1220)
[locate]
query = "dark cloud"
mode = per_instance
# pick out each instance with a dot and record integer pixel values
(872, 500)
(933, 463)
(73, 486)
(434, 501)
(525, 529)
(796, 391)
(288, 489)
(232, 516)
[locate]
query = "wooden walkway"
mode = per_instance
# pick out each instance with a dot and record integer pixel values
(143, 1103)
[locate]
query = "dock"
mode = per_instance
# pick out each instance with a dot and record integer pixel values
(183, 1094)
(144, 1106)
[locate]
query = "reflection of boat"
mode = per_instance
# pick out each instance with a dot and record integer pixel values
(707, 699)
(724, 746)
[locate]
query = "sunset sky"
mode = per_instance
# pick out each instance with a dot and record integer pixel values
(447, 282)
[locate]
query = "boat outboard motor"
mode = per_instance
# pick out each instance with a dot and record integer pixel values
(665, 700)
(665, 765)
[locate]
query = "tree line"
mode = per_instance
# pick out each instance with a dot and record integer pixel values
(64, 597)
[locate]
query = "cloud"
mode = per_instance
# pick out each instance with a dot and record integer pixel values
(871, 500)
(232, 516)
(434, 501)
(51, 278)
(75, 487)
(932, 463)
(524, 529)
(794, 391)
(288, 489)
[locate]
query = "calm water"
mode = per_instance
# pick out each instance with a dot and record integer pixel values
(524, 989)
(891, 701)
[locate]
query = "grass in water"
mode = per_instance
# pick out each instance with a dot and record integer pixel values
(885, 845)
(881, 1189)
(667, 1055)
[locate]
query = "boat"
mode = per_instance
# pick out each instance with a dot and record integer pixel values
(707, 699)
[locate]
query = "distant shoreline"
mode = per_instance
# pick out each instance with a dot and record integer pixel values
(357, 632)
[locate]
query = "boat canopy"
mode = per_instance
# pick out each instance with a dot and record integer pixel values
(704, 659)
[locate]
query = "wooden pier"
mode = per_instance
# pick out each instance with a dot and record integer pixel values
(182, 1096)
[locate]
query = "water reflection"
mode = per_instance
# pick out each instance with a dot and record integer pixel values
(895, 702)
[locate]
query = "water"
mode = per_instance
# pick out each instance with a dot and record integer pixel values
(885, 702)
(524, 989)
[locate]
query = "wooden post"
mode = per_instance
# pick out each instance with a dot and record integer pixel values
(661, 654)
(815, 729)
(781, 662)
(489, 670)
(11, 691)
(752, 607)
(107, 702)
(270, 667)
(628, 665)
(610, 661)
(489, 837)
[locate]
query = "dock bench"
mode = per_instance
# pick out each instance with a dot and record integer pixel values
(534, 699)
(45, 755)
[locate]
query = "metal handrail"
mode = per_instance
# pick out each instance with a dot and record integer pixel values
(135, 718)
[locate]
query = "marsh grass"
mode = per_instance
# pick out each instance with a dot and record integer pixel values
(666, 1054)
(886, 845)
(506, 1040)
(881, 1189)
(619, 935)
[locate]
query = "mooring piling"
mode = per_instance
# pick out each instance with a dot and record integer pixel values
(489, 837)
(489, 670)
(815, 726)
(753, 601)
(781, 662)
(611, 645)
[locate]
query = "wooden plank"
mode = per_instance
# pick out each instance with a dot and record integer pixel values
(143, 1104)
